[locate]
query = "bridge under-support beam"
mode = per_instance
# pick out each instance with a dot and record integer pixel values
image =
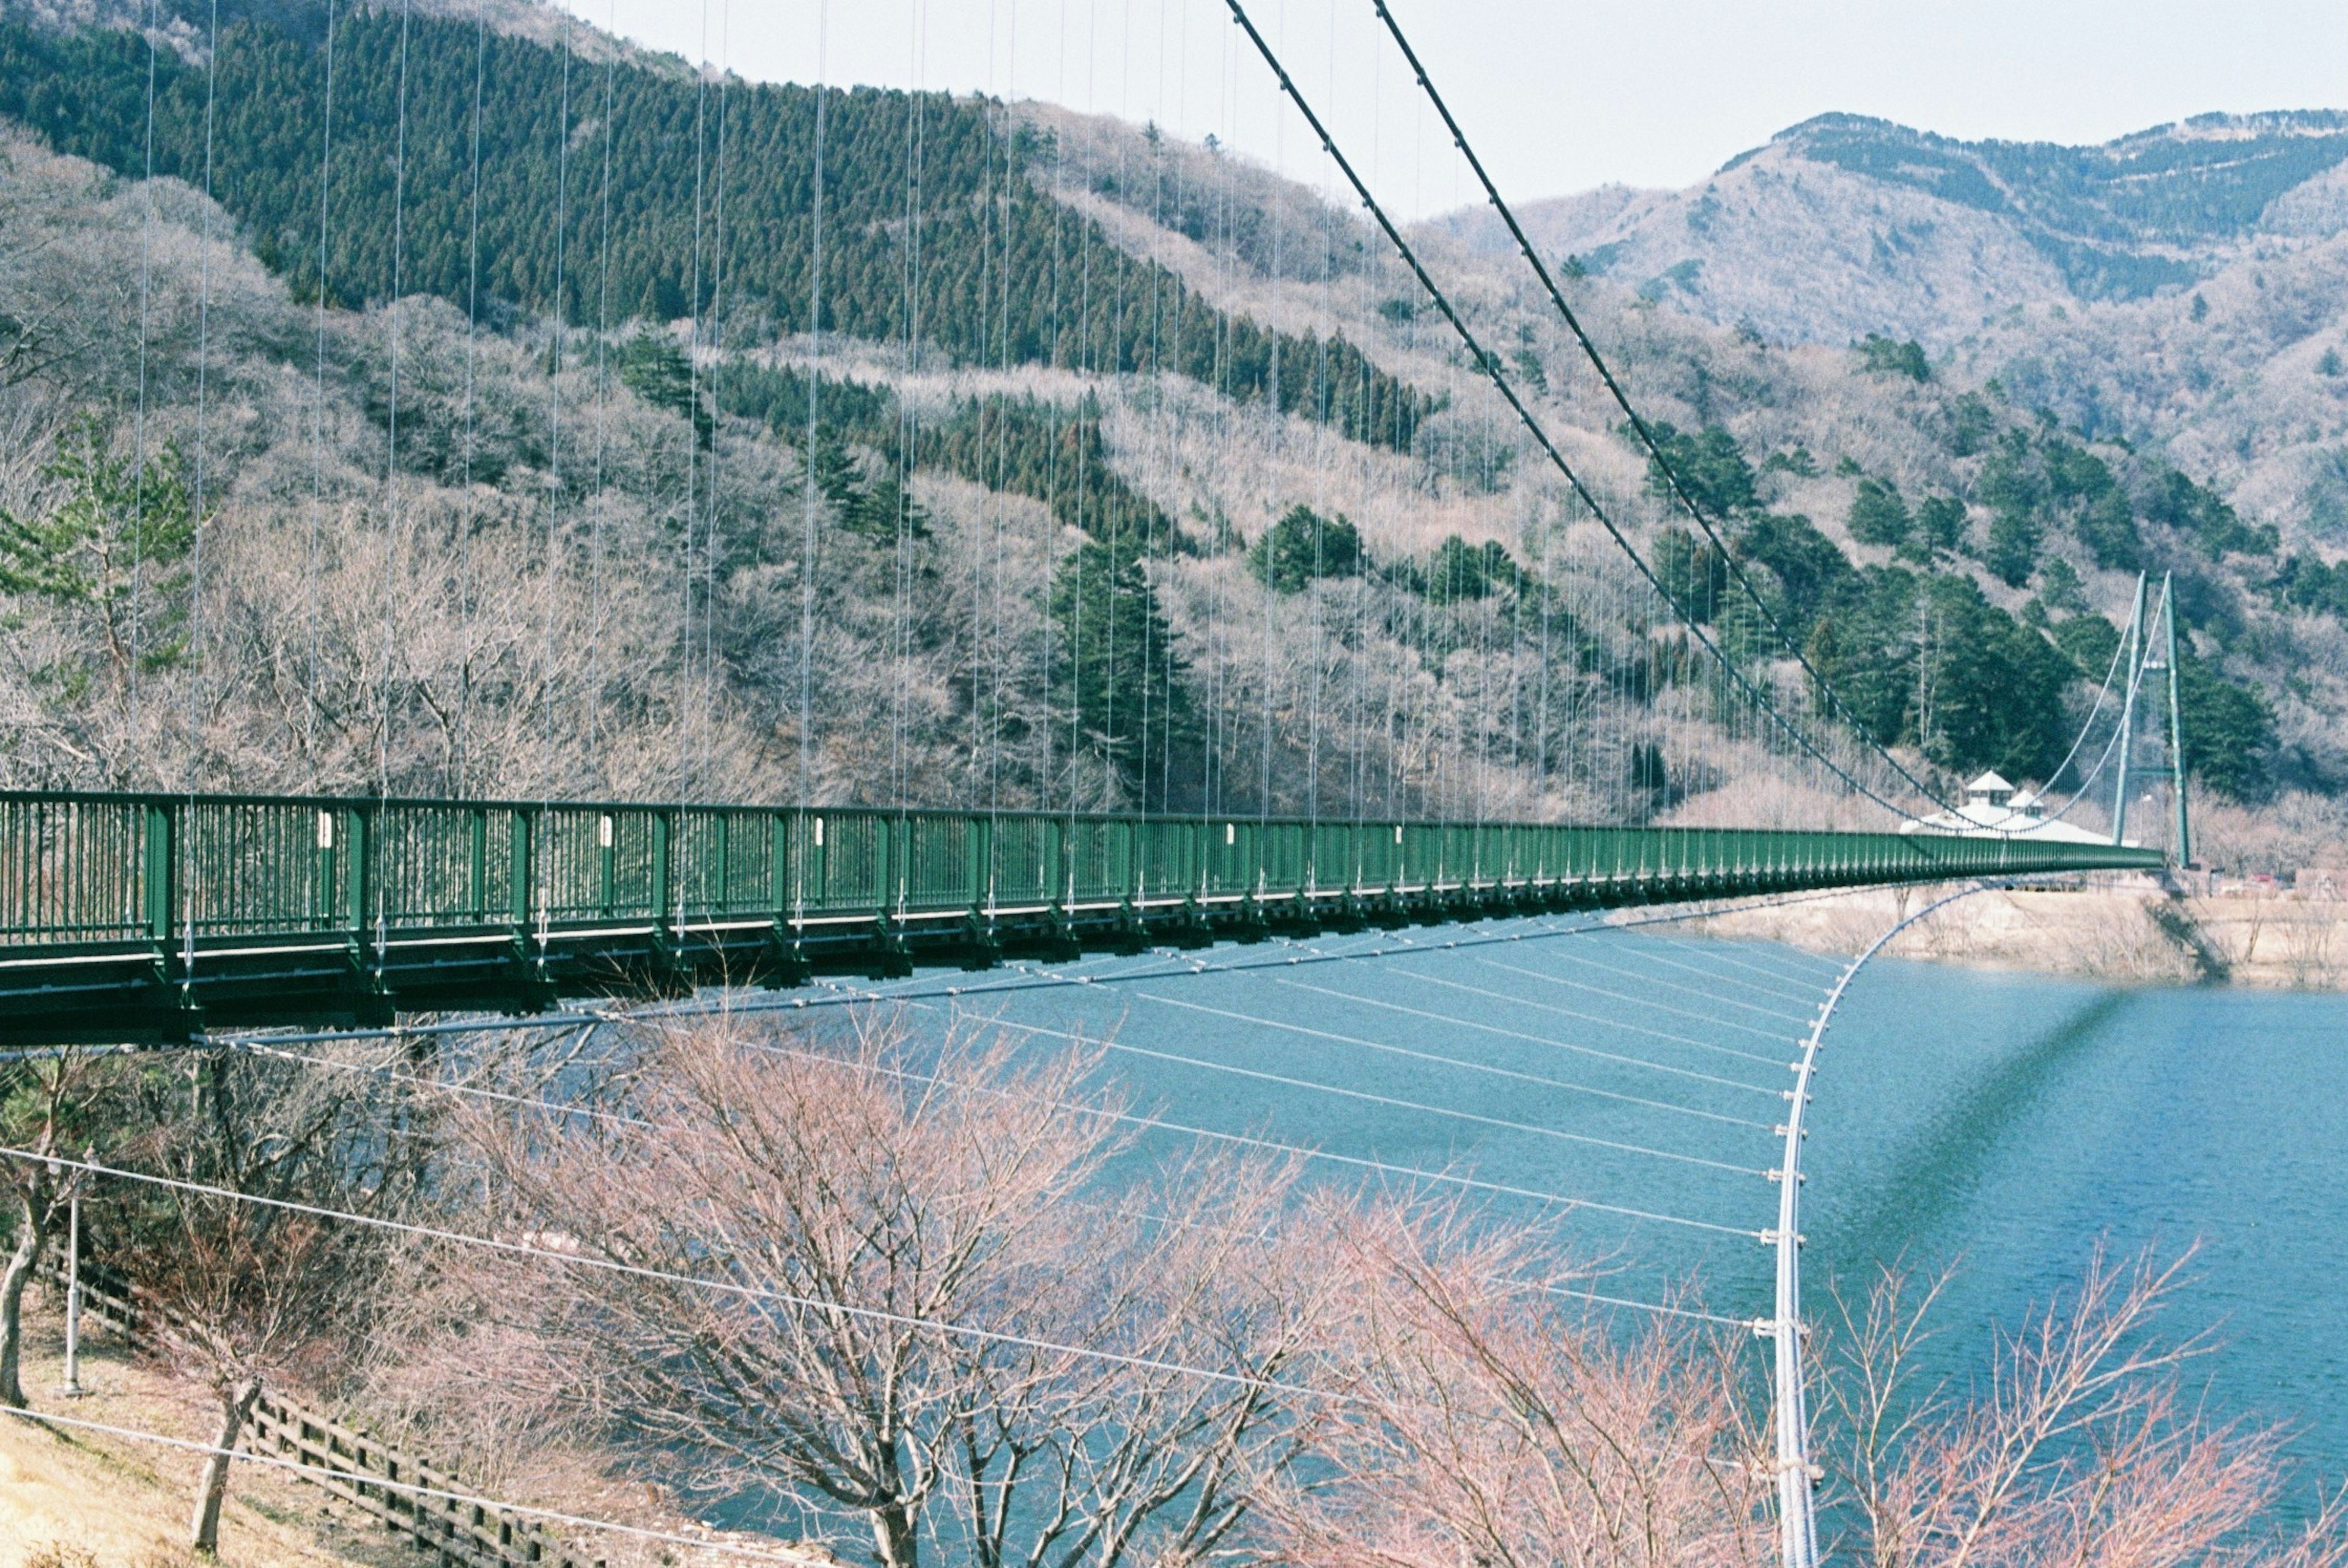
(126, 918)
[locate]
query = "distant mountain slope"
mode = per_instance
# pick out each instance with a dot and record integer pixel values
(2122, 220)
(1798, 250)
(1845, 225)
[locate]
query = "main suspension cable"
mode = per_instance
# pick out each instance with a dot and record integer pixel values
(1655, 452)
(1494, 372)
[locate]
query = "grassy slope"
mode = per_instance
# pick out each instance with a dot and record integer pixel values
(125, 1504)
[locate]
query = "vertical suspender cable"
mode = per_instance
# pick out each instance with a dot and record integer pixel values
(1013, 177)
(557, 320)
(2181, 841)
(1048, 730)
(688, 706)
(994, 278)
(1082, 475)
(461, 771)
(712, 672)
(807, 459)
(138, 430)
(1114, 523)
(196, 548)
(908, 431)
(392, 517)
(594, 678)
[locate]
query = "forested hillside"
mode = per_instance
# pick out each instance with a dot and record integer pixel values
(597, 199)
(1119, 472)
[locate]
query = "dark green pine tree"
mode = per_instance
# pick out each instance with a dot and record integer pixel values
(1117, 682)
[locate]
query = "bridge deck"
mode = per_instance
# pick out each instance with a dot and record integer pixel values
(128, 917)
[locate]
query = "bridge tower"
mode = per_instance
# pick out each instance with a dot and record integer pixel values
(2181, 847)
(2136, 642)
(2150, 654)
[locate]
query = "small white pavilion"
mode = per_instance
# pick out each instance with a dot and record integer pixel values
(1994, 808)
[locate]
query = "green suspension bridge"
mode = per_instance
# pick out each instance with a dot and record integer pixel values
(143, 917)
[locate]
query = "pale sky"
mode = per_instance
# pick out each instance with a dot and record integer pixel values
(1557, 95)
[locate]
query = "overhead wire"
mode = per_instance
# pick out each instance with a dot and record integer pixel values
(1649, 979)
(1432, 1058)
(1801, 1020)
(1304, 1152)
(417, 1080)
(1488, 993)
(594, 1263)
(1530, 1038)
(1648, 1002)
(1360, 1000)
(1766, 972)
(1715, 976)
(570, 1110)
(1396, 1103)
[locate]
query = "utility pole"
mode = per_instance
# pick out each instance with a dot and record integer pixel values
(2135, 640)
(72, 1388)
(2184, 837)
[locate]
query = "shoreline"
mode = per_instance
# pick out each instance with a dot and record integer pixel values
(2128, 927)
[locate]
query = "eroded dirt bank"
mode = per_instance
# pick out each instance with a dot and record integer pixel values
(2125, 928)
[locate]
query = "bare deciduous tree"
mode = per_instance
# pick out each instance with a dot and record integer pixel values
(45, 1109)
(2083, 1448)
(1496, 1424)
(243, 1272)
(928, 1317)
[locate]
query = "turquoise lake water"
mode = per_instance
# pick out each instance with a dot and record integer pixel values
(2002, 1123)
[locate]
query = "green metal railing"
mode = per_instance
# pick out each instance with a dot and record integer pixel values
(125, 916)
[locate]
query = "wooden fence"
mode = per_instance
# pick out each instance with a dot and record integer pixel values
(369, 1475)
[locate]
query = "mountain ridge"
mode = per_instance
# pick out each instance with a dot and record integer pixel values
(1921, 230)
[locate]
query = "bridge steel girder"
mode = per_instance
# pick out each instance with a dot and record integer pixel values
(129, 918)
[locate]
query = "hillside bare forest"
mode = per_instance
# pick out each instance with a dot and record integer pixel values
(479, 443)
